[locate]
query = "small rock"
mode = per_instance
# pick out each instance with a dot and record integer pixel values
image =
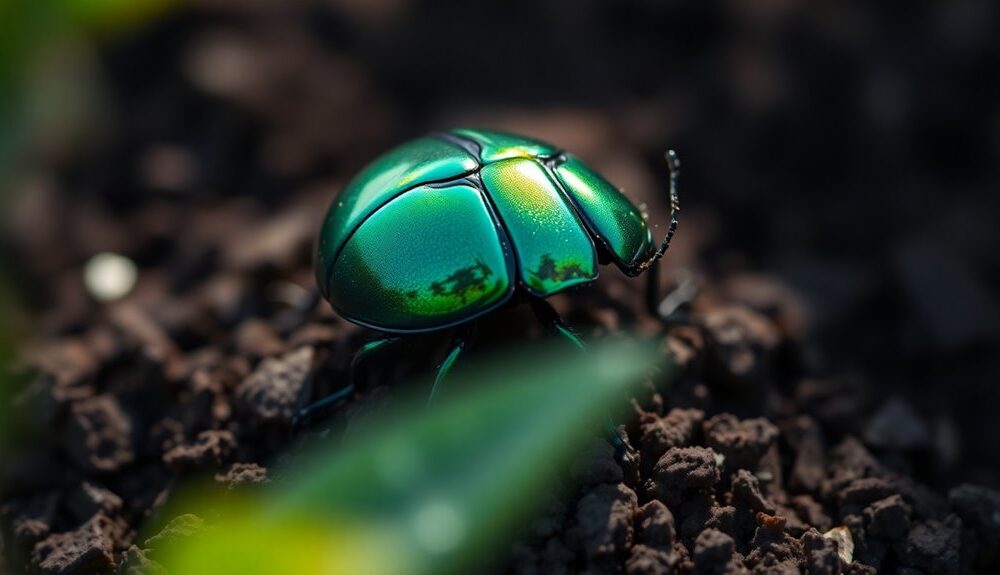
(889, 517)
(811, 512)
(723, 518)
(89, 549)
(715, 552)
(860, 569)
(794, 525)
(849, 461)
(925, 501)
(696, 512)
(681, 471)
(822, 554)
(979, 509)
(741, 442)
(771, 523)
(603, 528)
(656, 525)
(772, 546)
(650, 561)
(860, 493)
(845, 543)
(867, 549)
(933, 545)
(180, 527)
(809, 467)
(746, 493)
(272, 393)
(210, 450)
(243, 474)
(99, 434)
(676, 429)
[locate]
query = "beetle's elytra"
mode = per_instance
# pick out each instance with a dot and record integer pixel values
(445, 228)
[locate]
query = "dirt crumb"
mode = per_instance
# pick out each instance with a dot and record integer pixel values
(655, 525)
(979, 509)
(209, 450)
(240, 474)
(178, 528)
(845, 542)
(99, 434)
(682, 471)
(676, 429)
(88, 549)
(715, 553)
(888, 518)
(933, 545)
(272, 393)
(821, 554)
(741, 442)
(646, 560)
(603, 527)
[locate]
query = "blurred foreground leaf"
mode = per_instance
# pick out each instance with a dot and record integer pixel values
(425, 490)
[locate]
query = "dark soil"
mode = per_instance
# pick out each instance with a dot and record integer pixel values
(832, 414)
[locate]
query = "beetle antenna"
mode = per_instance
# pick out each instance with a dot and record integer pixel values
(674, 167)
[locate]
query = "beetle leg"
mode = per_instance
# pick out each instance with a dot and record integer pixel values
(653, 289)
(309, 412)
(458, 345)
(668, 309)
(549, 318)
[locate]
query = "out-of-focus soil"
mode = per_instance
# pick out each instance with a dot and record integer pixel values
(793, 440)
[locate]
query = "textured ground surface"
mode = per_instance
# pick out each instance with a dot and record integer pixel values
(835, 410)
(745, 462)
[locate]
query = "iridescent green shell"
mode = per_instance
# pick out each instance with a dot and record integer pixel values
(447, 227)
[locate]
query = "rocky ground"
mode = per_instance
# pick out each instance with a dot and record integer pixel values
(744, 462)
(833, 409)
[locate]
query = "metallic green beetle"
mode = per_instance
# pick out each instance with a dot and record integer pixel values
(448, 227)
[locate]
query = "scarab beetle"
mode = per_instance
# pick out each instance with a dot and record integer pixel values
(448, 227)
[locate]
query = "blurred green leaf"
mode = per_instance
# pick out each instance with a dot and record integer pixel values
(426, 490)
(44, 50)
(115, 15)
